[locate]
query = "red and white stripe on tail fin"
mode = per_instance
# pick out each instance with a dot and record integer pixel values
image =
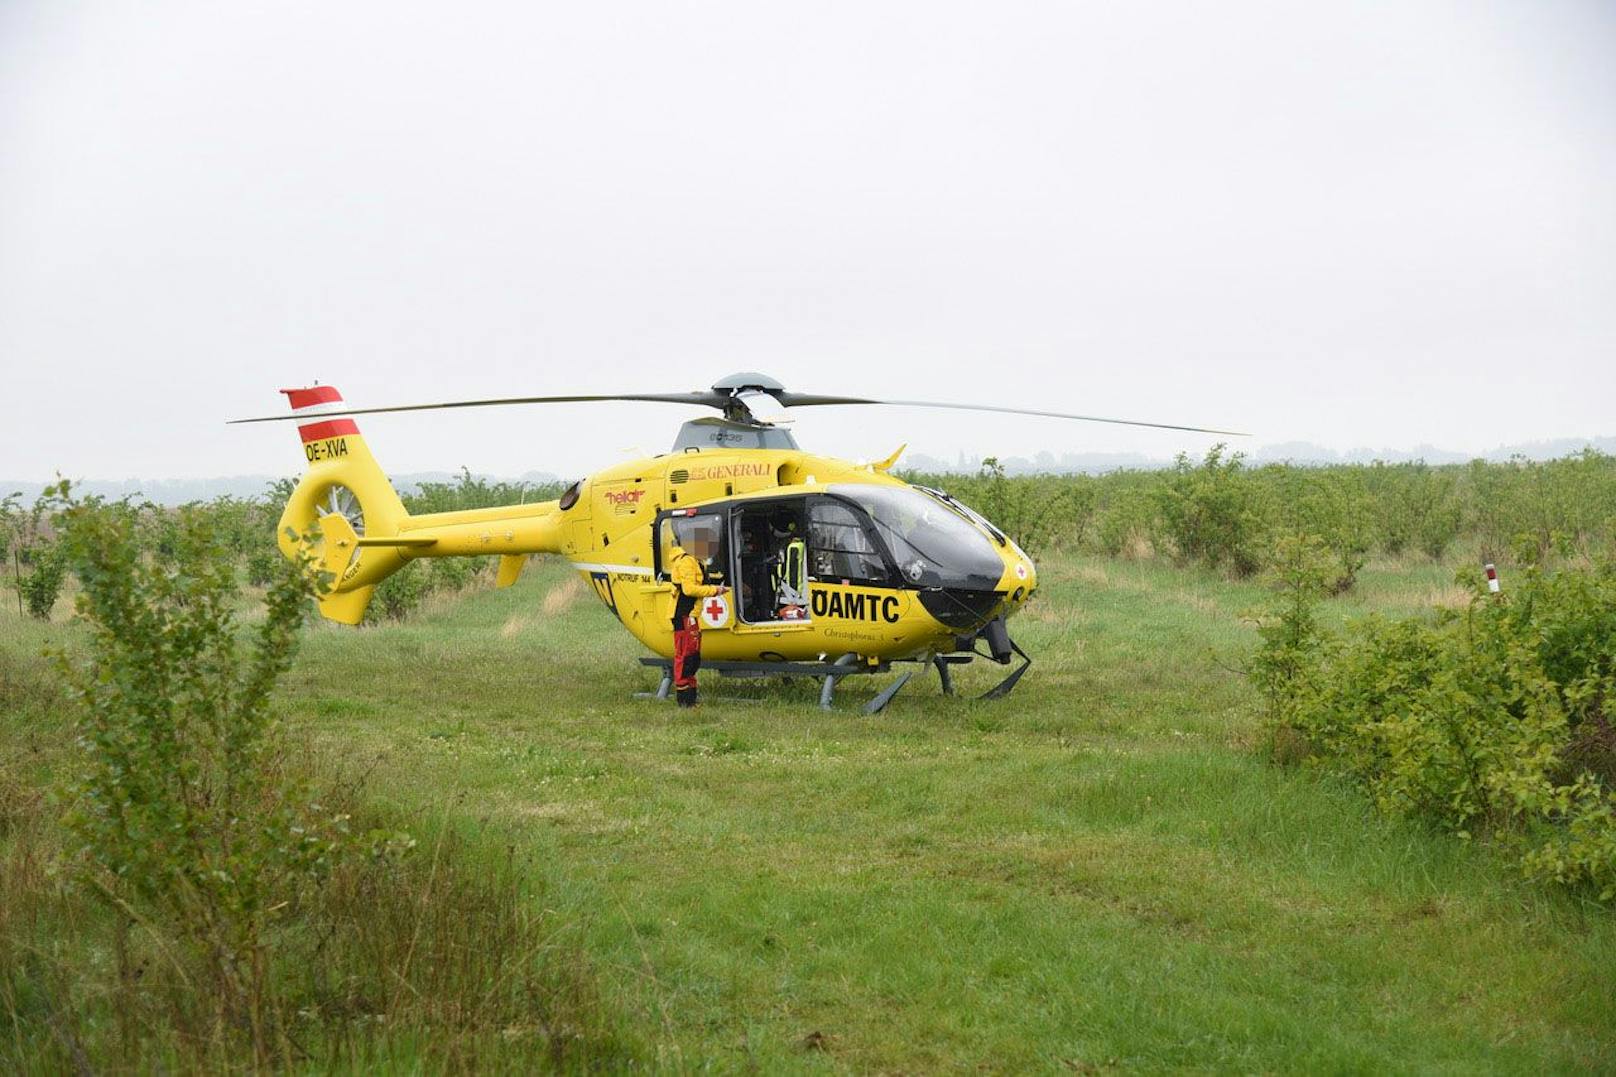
(315, 402)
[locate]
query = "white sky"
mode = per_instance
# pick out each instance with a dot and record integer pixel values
(1377, 224)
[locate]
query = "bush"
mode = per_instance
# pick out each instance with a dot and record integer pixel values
(1039, 512)
(43, 583)
(1301, 571)
(455, 573)
(1557, 504)
(217, 917)
(1211, 512)
(27, 543)
(473, 492)
(263, 563)
(12, 523)
(399, 595)
(1125, 520)
(1334, 507)
(182, 809)
(1495, 720)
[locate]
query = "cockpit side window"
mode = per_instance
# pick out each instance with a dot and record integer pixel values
(700, 535)
(840, 546)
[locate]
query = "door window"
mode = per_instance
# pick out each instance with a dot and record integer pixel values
(701, 536)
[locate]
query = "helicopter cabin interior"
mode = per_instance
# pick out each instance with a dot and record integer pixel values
(758, 549)
(770, 551)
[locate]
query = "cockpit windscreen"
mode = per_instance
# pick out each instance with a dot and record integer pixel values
(933, 545)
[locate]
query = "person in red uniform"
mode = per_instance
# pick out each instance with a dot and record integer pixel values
(686, 568)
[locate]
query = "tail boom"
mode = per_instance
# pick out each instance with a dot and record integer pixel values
(346, 515)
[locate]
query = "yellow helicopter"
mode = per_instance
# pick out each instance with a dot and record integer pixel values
(833, 568)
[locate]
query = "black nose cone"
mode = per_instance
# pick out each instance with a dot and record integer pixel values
(960, 609)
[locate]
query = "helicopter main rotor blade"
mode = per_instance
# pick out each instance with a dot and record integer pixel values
(803, 400)
(705, 399)
(733, 400)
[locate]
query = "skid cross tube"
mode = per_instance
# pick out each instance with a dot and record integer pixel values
(879, 703)
(829, 689)
(944, 674)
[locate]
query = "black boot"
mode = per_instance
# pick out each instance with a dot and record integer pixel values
(686, 696)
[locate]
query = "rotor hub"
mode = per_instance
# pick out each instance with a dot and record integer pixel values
(738, 391)
(747, 379)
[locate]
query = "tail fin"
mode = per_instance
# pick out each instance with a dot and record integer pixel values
(346, 493)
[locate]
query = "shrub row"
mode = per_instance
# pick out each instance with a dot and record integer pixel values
(1493, 721)
(469, 491)
(402, 593)
(1217, 512)
(1222, 513)
(243, 529)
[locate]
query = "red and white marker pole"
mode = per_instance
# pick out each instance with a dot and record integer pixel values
(1492, 578)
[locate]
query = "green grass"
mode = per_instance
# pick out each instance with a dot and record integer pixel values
(1099, 871)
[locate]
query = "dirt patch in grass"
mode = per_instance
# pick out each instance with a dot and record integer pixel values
(1095, 574)
(1198, 602)
(563, 596)
(1447, 596)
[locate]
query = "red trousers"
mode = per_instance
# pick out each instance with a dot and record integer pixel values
(686, 653)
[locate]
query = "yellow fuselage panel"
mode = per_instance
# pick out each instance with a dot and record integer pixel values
(610, 522)
(845, 619)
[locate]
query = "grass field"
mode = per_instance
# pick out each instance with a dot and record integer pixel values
(1101, 871)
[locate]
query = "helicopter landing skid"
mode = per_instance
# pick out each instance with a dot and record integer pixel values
(830, 673)
(1002, 689)
(945, 675)
(1001, 649)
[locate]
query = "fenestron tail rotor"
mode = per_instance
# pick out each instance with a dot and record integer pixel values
(345, 503)
(736, 396)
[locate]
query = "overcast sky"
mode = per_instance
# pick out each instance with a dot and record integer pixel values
(1356, 224)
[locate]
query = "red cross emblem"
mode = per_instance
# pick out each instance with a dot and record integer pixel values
(714, 611)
